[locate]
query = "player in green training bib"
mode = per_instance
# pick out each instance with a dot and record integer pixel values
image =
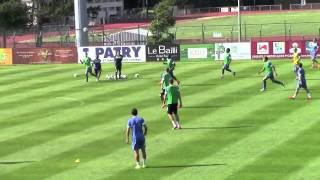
(270, 71)
(87, 62)
(172, 100)
(226, 63)
(171, 64)
(165, 77)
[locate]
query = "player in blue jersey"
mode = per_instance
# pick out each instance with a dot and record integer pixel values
(313, 54)
(301, 82)
(226, 63)
(136, 124)
(97, 67)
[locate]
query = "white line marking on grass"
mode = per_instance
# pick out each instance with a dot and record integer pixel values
(118, 161)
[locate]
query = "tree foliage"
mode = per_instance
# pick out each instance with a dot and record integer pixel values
(13, 16)
(93, 11)
(161, 24)
(52, 11)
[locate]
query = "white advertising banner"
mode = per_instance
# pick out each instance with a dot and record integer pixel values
(279, 48)
(132, 53)
(197, 53)
(263, 48)
(224, 9)
(239, 51)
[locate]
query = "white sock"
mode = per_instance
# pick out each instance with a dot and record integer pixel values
(177, 123)
(144, 161)
(174, 124)
(138, 163)
(309, 95)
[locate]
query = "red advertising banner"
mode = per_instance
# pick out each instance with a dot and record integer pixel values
(279, 49)
(45, 56)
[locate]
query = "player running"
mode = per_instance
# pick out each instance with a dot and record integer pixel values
(172, 65)
(164, 83)
(302, 83)
(87, 62)
(97, 67)
(270, 73)
(118, 64)
(136, 125)
(226, 63)
(295, 60)
(172, 98)
(313, 54)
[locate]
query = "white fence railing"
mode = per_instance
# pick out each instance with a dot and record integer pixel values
(305, 6)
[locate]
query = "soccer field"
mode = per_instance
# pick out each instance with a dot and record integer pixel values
(231, 130)
(272, 24)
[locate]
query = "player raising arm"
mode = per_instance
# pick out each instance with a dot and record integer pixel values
(270, 73)
(136, 124)
(171, 99)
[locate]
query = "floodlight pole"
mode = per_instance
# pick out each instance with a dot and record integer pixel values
(239, 22)
(81, 22)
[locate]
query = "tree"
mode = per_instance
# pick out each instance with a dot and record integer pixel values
(14, 16)
(161, 24)
(48, 11)
(93, 11)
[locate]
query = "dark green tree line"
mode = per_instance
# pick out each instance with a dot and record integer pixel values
(13, 16)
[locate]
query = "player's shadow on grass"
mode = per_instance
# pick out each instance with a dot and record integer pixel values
(186, 166)
(290, 90)
(204, 107)
(14, 162)
(246, 77)
(215, 128)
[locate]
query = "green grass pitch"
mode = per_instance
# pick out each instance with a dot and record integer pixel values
(231, 130)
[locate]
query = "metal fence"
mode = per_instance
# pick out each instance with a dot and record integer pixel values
(64, 36)
(144, 14)
(305, 6)
(215, 33)
(191, 11)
